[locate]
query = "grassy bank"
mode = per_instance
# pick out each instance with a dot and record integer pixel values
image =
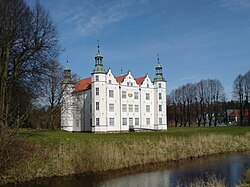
(57, 153)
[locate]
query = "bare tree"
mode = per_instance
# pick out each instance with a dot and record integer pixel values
(190, 96)
(28, 42)
(238, 93)
(201, 92)
(246, 90)
(218, 96)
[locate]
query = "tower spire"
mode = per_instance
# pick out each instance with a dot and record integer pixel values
(158, 71)
(98, 47)
(98, 61)
(67, 73)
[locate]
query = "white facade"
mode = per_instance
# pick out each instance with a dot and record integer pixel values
(105, 103)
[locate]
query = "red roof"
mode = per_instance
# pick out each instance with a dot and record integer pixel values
(121, 78)
(82, 85)
(85, 84)
(237, 113)
(139, 80)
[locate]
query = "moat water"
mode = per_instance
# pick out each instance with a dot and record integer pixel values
(229, 167)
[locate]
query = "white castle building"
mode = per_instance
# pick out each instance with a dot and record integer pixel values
(105, 103)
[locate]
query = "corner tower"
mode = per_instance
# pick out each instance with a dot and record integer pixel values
(160, 97)
(98, 87)
(67, 101)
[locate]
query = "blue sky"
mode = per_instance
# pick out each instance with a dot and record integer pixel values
(196, 39)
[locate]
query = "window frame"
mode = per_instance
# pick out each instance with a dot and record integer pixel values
(124, 107)
(124, 94)
(97, 106)
(137, 120)
(160, 108)
(111, 107)
(97, 78)
(130, 108)
(136, 95)
(160, 121)
(160, 96)
(111, 93)
(124, 122)
(97, 122)
(113, 122)
(97, 91)
(136, 108)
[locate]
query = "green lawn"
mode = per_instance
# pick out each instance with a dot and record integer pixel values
(54, 136)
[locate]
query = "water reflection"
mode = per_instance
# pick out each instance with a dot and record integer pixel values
(228, 167)
(144, 179)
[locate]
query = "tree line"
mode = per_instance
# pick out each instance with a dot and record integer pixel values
(204, 103)
(241, 92)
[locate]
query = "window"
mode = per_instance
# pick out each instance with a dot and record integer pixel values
(136, 108)
(160, 108)
(147, 108)
(111, 93)
(109, 81)
(124, 94)
(160, 96)
(124, 121)
(147, 121)
(136, 121)
(97, 105)
(96, 91)
(127, 83)
(131, 84)
(97, 78)
(130, 108)
(111, 107)
(136, 95)
(147, 85)
(111, 121)
(97, 121)
(130, 121)
(159, 85)
(160, 121)
(124, 107)
(147, 96)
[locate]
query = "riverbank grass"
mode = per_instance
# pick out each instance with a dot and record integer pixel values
(58, 153)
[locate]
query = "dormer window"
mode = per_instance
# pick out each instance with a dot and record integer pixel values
(109, 81)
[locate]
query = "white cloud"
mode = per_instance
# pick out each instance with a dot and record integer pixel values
(236, 4)
(92, 16)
